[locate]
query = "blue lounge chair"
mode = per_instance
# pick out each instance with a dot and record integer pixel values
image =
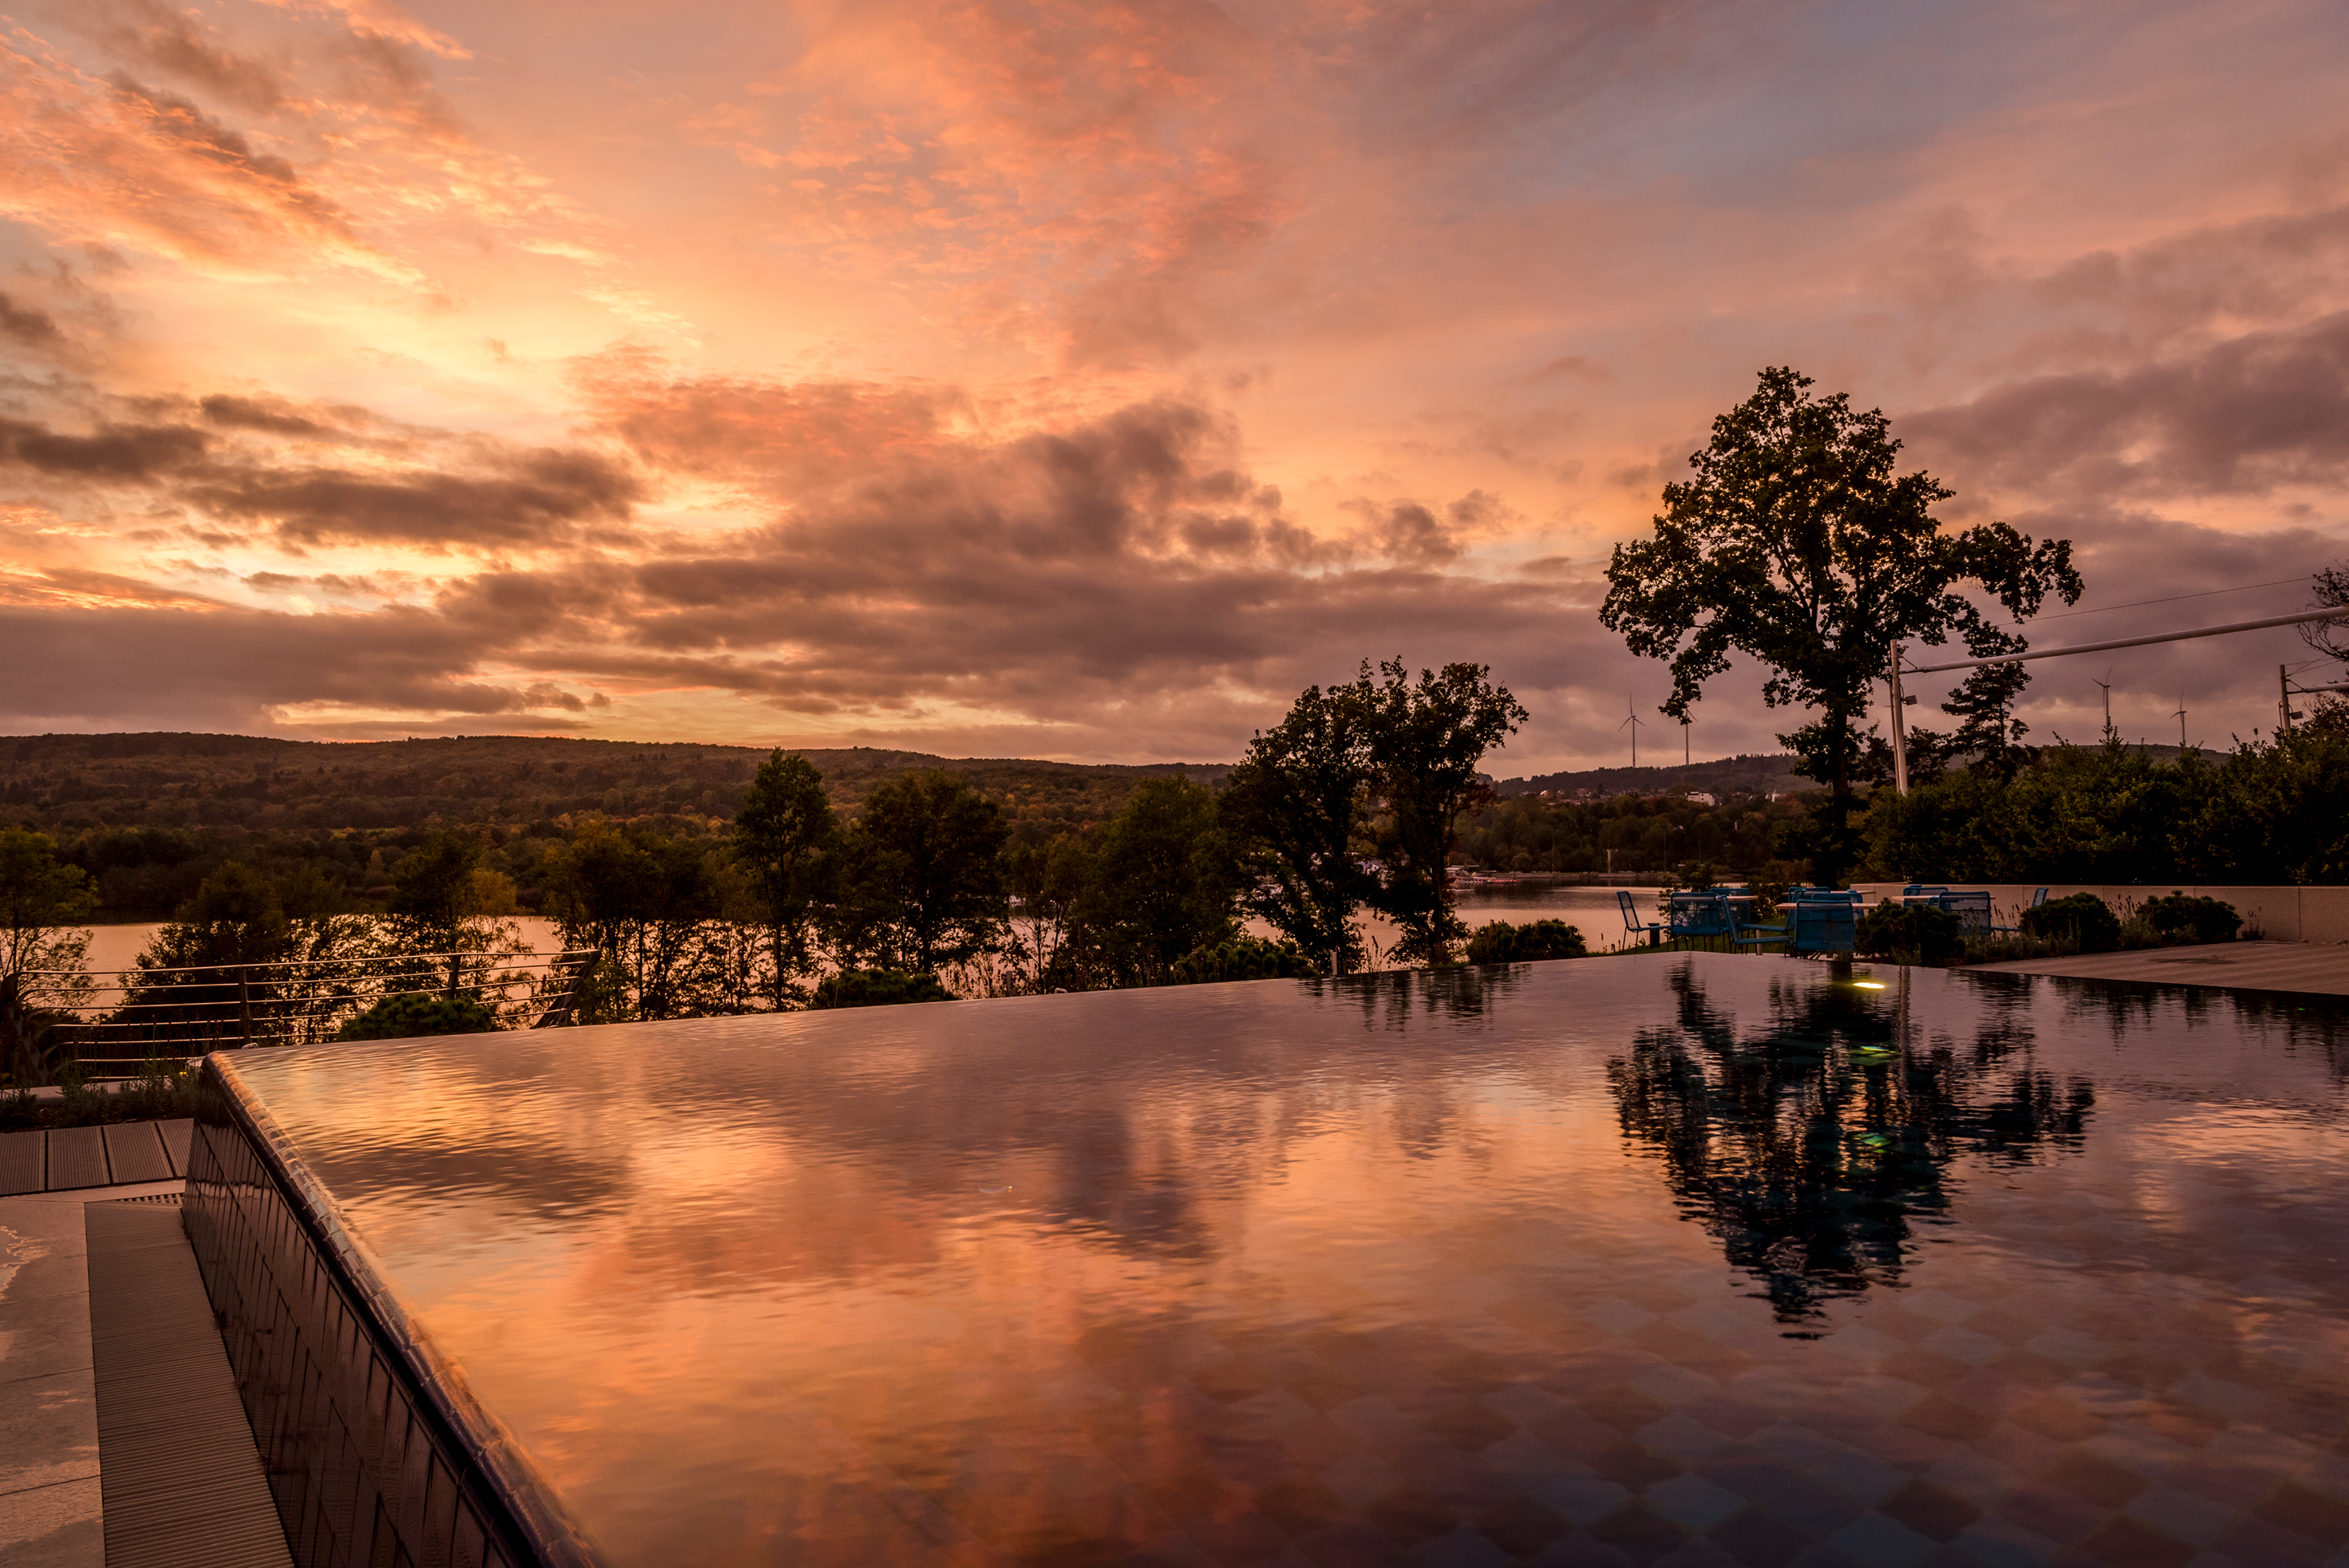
(1632, 924)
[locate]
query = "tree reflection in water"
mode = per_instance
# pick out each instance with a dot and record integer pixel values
(1806, 1148)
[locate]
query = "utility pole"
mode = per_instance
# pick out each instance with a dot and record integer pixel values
(1900, 725)
(1684, 742)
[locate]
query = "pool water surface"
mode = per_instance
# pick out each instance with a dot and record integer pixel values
(1685, 1258)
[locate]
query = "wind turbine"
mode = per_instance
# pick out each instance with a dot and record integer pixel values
(1631, 717)
(2108, 705)
(2181, 722)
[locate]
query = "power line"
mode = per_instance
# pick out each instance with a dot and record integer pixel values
(2173, 598)
(2301, 618)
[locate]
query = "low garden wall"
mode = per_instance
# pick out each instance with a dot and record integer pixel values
(2279, 914)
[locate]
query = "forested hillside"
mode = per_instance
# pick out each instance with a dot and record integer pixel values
(75, 783)
(149, 816)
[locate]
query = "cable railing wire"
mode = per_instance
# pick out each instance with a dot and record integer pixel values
(52, 1020)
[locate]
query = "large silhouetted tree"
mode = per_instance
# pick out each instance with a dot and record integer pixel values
(1426, 740)
(921, 885)
(1798, 545)
(782, 836)
(1295, 809)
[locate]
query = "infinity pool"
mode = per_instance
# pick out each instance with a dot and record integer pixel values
(1706, 1258)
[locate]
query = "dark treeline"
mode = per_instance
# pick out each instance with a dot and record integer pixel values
(928, 885)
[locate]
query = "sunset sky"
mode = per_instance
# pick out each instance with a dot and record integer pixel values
(1082, 381)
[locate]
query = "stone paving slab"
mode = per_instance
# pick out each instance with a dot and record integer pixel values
(2315, 968)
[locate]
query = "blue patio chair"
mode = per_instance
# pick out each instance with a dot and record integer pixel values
(1706, 914)
(1632, 924)
(1822, 921)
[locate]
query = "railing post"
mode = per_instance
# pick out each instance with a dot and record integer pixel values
(244, 1008)
(451, 992)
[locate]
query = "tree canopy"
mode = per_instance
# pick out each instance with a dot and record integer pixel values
(1797, 544)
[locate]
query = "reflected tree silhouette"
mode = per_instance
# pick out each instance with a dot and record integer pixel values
(1813, 1148)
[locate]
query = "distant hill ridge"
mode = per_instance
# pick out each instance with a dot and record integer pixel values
(171, 780)
(1763, 774)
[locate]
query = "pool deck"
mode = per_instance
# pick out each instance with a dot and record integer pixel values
(122, 1441)
(2314, 969)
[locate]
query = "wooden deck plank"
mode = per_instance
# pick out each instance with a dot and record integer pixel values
(177, 1136)
(77, 1158)
(22, 1163)
(135, 1153)
(182, 1481)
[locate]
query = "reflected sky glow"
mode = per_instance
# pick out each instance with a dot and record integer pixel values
(1222, 1271)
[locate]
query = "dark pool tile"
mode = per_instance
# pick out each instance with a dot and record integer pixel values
(1468, 1423)
(1638, 1532)
(2257, 1540)
(2311, 1513)
(1622, 1406)
(1939, 1416)
(1932, 1511)
(1880, 1542)
(1928, 1368)
(1349, 1543)
(2094, 1478)
(2236, 1482)
(1579, 1549)
(2056, 1417)
(1520, 1528)
(2060, 1515)
(1812, 1507)
(1756, 1539)
(1300, 1504)
(1321, 1387)
(1315, 1441)
(1632, 1466)
(2127, 1542)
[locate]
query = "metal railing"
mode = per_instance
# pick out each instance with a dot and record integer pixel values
(111, 1022)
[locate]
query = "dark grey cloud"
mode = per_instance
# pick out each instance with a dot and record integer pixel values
(528, 498)
(22, 324)
(273, 415)
(227, 669)
(111, 453)
(2246, 415)
(176, 43)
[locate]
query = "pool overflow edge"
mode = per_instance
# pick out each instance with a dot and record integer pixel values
(377, 1450)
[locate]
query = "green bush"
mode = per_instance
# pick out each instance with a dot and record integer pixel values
(2209, 919)
(879, 987)
(1243, 958)
(1502, 942)
(1910, 933)
(413, 1015)
(2083, 918)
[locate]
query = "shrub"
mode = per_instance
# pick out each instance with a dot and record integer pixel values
(1910, 933)
(1243, 958)
(2208, 919)
(879, 987)
(414, 1015)
(1502, 942)
(2083, 918)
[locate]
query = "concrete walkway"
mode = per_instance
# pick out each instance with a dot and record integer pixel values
(2314, 969)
